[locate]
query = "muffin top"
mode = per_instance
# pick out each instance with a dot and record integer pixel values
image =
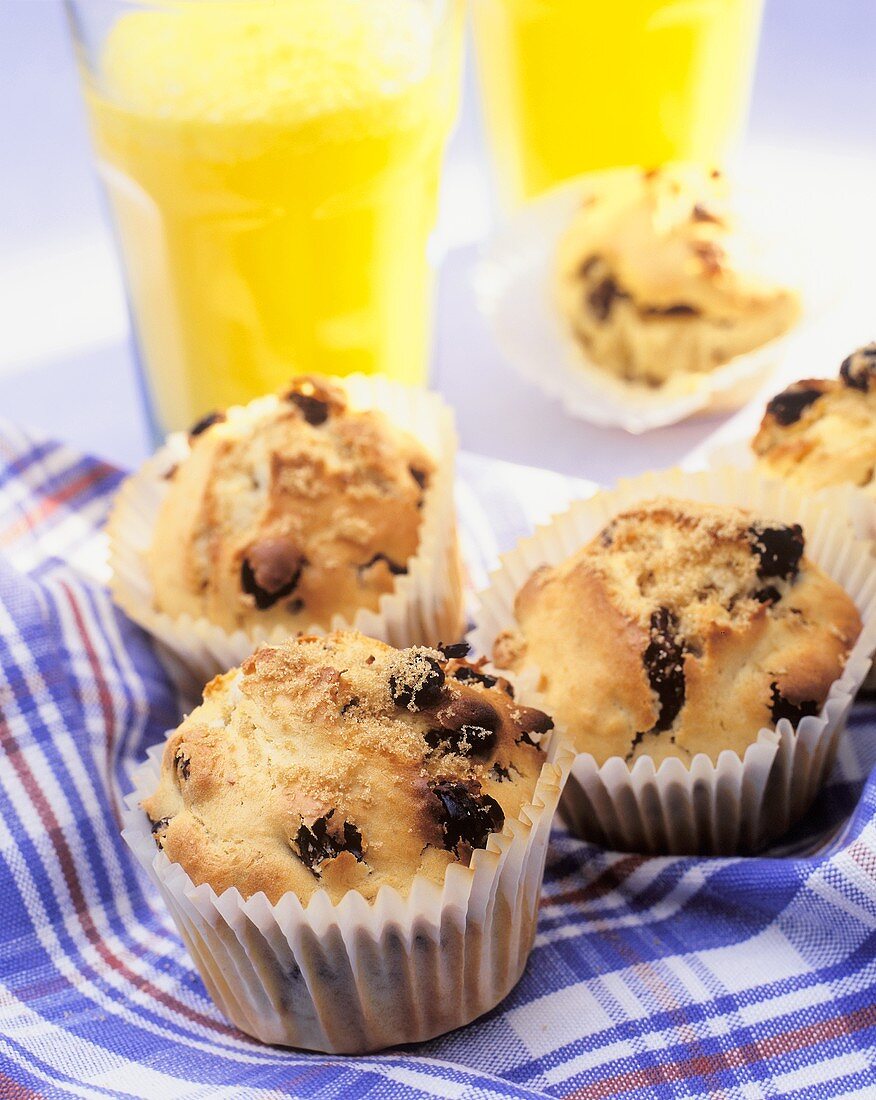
(660, 252)
(288, 512)
(340, 763)
(681, 628)
(822, 431)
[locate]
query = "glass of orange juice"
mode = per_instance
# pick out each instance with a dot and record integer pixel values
(574, 85)
(272, 168)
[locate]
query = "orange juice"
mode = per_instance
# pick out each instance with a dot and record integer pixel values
(273, 172)
(574, 85)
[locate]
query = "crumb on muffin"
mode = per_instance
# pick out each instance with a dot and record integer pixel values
(340, 763)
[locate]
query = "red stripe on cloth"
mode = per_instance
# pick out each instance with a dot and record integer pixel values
(10, 1089)
(68, 868)
(776, 1046)
(863, 856)
(104, 697)
(31, 519)
(603, 884)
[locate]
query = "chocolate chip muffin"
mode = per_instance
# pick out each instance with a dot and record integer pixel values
(289, 512)
(656, 280)
(339, 763)
(682, 628)
(821, 431)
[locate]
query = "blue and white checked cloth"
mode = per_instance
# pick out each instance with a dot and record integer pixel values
(649, 978)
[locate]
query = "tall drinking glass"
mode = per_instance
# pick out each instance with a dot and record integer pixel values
(574, 85)
(272, 168)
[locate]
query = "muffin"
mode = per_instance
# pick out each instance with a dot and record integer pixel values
(681, 628)
(821, 432)
(337, 763)
(698, 638)
(289, 514)
(655, 279)
(367, 790)
(308, 510)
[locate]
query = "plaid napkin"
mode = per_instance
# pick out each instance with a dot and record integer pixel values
(649, 978)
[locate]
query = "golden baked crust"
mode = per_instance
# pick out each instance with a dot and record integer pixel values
(681, 628)
(289, 512)
(655, 280)
(822, 431)
(341, 763)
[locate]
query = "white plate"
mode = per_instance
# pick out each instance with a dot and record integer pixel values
(514, 289)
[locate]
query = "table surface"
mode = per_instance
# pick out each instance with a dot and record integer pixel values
(65, 362)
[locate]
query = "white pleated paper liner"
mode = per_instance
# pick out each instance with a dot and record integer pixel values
(514, 286)
(734, 805)
(424, 607)
(356, 976)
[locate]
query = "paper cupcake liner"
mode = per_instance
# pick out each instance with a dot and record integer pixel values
(424, 607)
(353, 977)
(514, 285)
(858, 505)
(736, 804)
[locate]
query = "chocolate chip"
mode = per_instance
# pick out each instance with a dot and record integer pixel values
(711, 254)
(315, 412)
(702, 213)
(157, 827)
(500, 773)
(779, 550)
(182, 763)
(638, 738)
(420, 476)
(767, 594)
(532, 725)
(456, 651)
(394, 568)
(323, 841)
(418, 683)
(466, 814)
(602, 297)
(271, 570)
(468, 710)
(205, 422)
(858, 369)
(680, 309)
(316, 399)
(587, 266)
(352, 702)
(468, 674)
(606, 535)
(664, 664)
(788, 406)
(780, 707)
(467, 725)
